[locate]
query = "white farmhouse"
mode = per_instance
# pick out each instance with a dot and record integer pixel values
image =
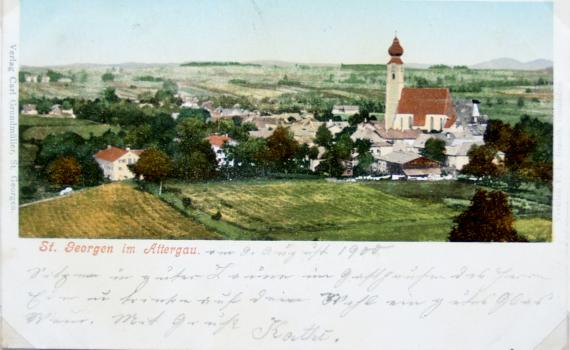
(29, 109)
(217, 143)
(457, 152)
(114, 162)
(345, 110)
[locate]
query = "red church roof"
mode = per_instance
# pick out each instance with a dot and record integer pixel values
(113, 153)
(423, 101)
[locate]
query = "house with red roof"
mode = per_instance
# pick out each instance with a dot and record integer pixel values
(217, 142)
(114, 162)
(414, 108)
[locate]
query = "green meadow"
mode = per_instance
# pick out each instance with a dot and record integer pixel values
(323, 210)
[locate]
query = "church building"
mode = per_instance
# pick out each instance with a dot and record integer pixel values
(414, 108)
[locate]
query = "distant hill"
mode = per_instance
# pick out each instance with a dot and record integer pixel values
(511, 63)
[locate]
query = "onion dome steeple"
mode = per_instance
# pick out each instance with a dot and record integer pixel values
(396, 51)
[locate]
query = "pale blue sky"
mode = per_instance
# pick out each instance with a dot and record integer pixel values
(326, 31)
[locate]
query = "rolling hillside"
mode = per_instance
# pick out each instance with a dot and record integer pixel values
(263, 210)
(109, 211)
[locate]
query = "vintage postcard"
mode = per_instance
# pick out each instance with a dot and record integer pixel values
(271, 174)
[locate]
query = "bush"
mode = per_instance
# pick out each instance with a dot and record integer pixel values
(28, 191)
(187, 202)
(108, 77)
(217, 216)
(489, 218)
(174, 190)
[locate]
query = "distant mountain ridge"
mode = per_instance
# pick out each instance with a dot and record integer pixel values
(511, 63)
(499, 63)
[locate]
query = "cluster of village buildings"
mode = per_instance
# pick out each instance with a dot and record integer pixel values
(412, 116)
(39, 78)
(56, 111)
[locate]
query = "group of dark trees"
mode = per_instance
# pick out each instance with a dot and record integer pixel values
(528, 153)
(67, 158)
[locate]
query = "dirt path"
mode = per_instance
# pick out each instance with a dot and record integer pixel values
(51, 198)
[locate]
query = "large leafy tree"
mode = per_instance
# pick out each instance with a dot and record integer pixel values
(488, 219)
(198, 113)
(334, 159)
(481, 162)
(357, 118)
(519, 151)
(64, 170)
(498, 134)
(154, 166)
(281, 149)
(108, 77)
(110, 95)
(434, 149)
(324, 136)
(70, 144)
(365, 157)
(194, 158)
(248, 157)
(196, 165)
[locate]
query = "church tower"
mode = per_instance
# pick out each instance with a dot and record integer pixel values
(394, 82)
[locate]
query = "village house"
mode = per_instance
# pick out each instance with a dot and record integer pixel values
(261, 133)
(45, 79)
(304, 131)
(207, 105)
(401, 140)
(64, 80)
(217, 142)
(379, 145)
(457, 153)
(314, 163)
(420, 141)
(345, 110)
(188, 101)
(31, 78)
(408, 165)
(229, 113)
(114, 162)
(57, 111)
(29, 109)
(335, 127)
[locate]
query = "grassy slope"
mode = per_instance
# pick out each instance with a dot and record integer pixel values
(285, 210)
(306, 210)
(110, 211)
